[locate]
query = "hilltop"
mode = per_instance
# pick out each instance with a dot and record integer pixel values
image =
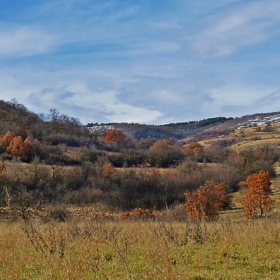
(15, 116)
(195, 130)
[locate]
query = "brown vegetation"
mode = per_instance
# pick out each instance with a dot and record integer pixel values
(257, 200)
(114, 135)
(195, 149)
(206, 202)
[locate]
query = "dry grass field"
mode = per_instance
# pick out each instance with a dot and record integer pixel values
(141, 250)
(248, 138)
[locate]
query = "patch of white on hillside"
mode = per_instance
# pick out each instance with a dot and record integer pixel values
(260, 120)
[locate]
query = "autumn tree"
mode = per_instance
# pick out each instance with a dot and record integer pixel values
(15, 146)
(114, 136)
(27, 149)
(194, 149)
(161, 144)
(163, 153)
(7, 138)
(18, 148)
(256, 200)
(206, 202)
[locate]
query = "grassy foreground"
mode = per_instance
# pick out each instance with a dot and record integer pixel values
(141, 250)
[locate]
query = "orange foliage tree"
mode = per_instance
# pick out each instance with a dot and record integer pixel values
(206, 202)
(256, 200)
(15, 146)
(18, 148)
(195, 149)
(161, 144)
(27, 149)
(114, 136)
(7, 138)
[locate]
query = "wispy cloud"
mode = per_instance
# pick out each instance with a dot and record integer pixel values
(25, 41)
(230, 30)
(237, 94)
(103, 106)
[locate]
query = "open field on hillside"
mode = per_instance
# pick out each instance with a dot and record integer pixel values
(141, 250)
(248, 138)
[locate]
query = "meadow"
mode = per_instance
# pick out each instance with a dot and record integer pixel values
(153, 249)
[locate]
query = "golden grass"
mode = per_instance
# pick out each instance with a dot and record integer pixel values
(142, 250)
(242, 145)
(247, 138)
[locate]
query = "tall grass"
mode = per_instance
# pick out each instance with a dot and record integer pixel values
(140, 250)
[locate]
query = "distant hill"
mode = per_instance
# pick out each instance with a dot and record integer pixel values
(199, 130)
(174, 131)
(17, 118)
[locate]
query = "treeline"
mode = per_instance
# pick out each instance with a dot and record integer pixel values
(201, 123)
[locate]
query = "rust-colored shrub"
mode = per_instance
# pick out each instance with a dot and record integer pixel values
(256, 200)
(27, 149)
(18, 148)
(206, 202)
(259, 181)
(7, 138)
(160, 144)
(15, 146)
(139, 213)
(114, 136)
(195, 149)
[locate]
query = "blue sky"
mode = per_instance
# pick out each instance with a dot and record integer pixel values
(145, 61)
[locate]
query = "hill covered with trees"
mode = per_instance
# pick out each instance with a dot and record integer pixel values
(55, 159)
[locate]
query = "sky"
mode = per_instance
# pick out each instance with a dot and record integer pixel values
(141, 61)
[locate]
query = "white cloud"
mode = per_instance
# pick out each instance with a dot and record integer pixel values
(25, 41)
(241, 26)
(91, 96)
(241, 99)
(236, 94)
(86, 105)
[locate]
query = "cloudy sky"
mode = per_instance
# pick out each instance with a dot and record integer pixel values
(145, 61)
